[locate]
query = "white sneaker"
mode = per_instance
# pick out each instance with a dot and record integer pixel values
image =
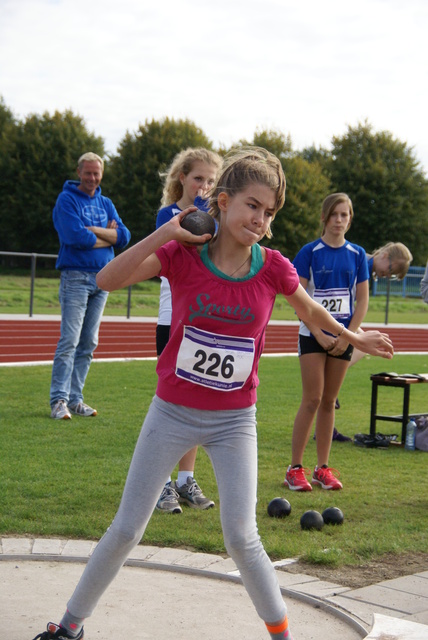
(168, 500)
(82, 409)
(191, 494)
(60, 411)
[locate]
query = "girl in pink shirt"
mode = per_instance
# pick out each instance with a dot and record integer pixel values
(222, 297)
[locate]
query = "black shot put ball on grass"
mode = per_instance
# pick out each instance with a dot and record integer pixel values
(332, 515)
(279, 508)
(311, 520)
(198, 222)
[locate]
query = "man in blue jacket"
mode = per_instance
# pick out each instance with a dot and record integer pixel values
(89, 228)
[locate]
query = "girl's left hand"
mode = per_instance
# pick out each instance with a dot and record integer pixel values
(339, 347)
(375, 343)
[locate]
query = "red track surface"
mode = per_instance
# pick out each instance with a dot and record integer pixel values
(35, 340)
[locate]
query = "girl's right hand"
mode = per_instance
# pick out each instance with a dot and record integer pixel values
(182, 235)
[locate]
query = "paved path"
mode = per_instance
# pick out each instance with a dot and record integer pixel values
(166, 593)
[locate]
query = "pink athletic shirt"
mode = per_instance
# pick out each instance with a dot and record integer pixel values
(217, 329)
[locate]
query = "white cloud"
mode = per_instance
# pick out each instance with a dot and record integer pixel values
(308, 69)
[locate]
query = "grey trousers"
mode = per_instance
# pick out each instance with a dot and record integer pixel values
(168, 432)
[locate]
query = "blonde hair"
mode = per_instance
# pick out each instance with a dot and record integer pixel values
(183, 162)
(90, 157)
(329, 205)
(246, 166)
(399, 256)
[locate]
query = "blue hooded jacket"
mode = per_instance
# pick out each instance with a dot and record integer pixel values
(73, 212)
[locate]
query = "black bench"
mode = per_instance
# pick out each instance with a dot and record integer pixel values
(404, 382)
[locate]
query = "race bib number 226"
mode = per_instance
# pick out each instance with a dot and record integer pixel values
(213, 360)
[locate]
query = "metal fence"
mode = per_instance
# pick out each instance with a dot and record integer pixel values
(408, 287)
(33, 258)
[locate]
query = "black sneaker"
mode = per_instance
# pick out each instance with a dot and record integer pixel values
(377, 441)
(55, 631)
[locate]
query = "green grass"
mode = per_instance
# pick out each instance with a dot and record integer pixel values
(65, 479)
(15, 298)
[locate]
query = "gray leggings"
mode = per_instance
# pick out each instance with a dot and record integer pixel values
(168, 432)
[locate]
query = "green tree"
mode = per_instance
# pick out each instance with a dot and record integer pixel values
(37, 156)
(132, 176)
(7, 118)
(298, 222)
(8, 127)
(316, 154)
(388, 189)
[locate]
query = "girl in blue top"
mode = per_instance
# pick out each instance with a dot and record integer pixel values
(390, 261)
(334, 272)
(188, 181)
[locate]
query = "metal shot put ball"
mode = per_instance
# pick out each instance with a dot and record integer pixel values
(198, 222)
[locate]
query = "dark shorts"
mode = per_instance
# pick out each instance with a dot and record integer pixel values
(162, 337)
(308, 344)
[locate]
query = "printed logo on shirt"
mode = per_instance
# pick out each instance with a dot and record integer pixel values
(222, 313)
(323, 270)
(94, 216)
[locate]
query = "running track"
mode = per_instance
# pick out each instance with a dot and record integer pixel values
(27, 340)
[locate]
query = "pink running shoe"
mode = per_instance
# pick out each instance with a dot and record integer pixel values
(295, 479)
(326, 478)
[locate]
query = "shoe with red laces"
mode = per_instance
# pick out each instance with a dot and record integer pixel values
(295, 479)
(326, 478)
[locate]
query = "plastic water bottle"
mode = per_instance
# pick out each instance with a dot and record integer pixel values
(410, 435)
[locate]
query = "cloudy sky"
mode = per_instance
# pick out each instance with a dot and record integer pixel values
(307, 68)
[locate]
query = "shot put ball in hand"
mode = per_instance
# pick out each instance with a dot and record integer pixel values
(198, 222)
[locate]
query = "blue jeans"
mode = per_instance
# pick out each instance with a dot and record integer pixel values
(82, 306)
